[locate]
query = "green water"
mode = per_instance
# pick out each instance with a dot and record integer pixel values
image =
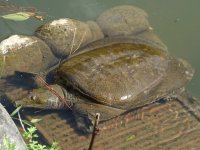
(175, 21)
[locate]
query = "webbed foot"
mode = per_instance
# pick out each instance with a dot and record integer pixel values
(84, 122)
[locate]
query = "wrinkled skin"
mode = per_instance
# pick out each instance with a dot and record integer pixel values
(112, 76)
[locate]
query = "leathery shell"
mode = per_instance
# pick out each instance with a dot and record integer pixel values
(116, 73)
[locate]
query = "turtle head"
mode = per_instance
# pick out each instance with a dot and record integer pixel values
(43, 98)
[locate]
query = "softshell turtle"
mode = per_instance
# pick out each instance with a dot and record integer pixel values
(112, 76)
(128, 69)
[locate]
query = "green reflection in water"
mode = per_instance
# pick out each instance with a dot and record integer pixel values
(175, 21)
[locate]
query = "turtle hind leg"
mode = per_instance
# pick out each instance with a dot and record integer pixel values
(85, 114)
(84, 124)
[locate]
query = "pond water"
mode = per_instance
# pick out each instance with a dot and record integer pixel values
(174, 21)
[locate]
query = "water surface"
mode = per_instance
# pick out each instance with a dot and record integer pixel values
(175, 21)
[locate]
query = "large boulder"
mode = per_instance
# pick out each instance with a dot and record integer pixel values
(65, 35)
(128, 20)
(25, 54)
(123, 20)
(9, 131)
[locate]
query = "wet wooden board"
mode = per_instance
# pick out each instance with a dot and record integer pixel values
(171, 125)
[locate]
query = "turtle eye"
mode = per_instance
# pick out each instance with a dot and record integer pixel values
(33, 97)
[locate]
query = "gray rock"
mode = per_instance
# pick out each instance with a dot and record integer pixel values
(123, 20)
(24, 53)
(65, 36)
(95, 30)
(9, 130)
